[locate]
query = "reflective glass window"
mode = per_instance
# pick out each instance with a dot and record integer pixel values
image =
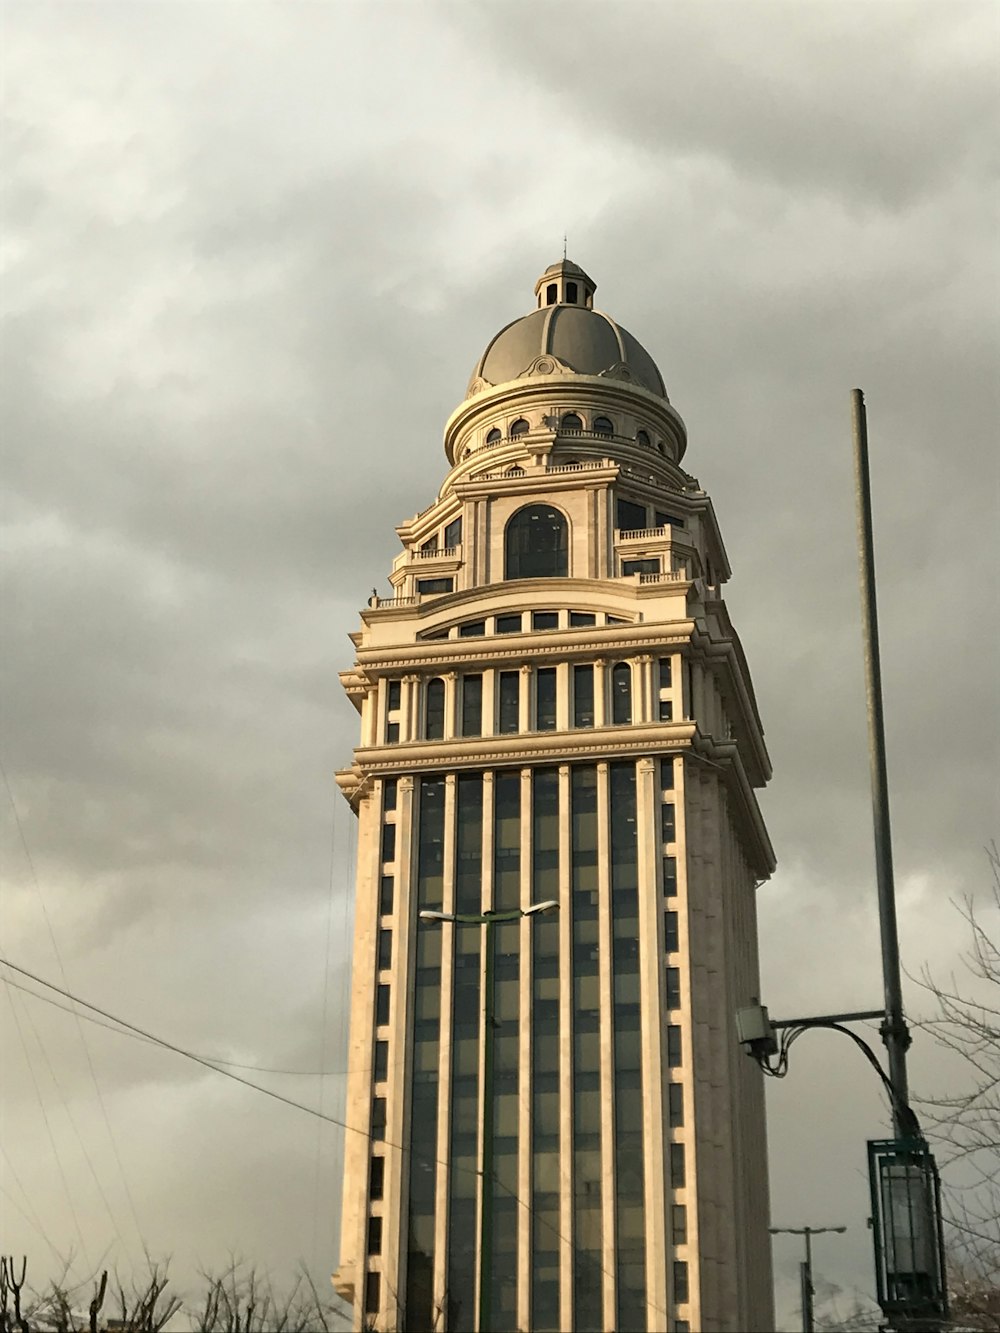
(583, 696)
(493, 436)
(642, 437)
(381, 1063)
(425, 586)
(378, 1119)
(669, 876)
(392, 695)
(472, 629)
(545, 1053)
(519, 427)
(453, 533)
(667, 829)
(537, 544)
(679, 1224)
(373, 1289)
(385, 949)
(676, 1105)
(388, 842)
(621, 694)
(510, 701)
(472, 705)
(665, 673)
(389, 790)
(545, 699)
(629, 516)
(681, 1293)
(603, 426)
(376, 1179)
(508, 624)
(664, 520)
(545, 620)
(667, 774)
(434, 718)
(385, 895)
(649, 566)
(572, 422)
(381, 1006)
(670, 932)
(678, 1175)
(673, 988)
(431, 544)
(674, 1046)
(666, 710)
(374, 1235)
(581, 618)
(392, 733)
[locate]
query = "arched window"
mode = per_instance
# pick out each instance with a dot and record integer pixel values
(571, 293)
(641, 437)
(520, 427)
(514, 471)
(571, 422)
(550, 294)
(536, 544)
(603, 426)
(434, 718)
(493, 437)
(621, 694)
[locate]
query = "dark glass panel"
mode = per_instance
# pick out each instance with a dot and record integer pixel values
(670, 876)
(578, 619)
(537, 544)
(629, 516)
(545, 1053)
(388, 842)
(674, 1059)
(666, 710)
(667, 822)
(381, 1006)
(670, 941)
(545, 699)
(510, 701)
(386, 885)
(603, 426)
(650, 566)
(665, 673)
(434, 719)
(621, 694)
(373, 1285)
(673, 988)
(425, 586)
(376, 1179)
(667, 774)
(374, 1235)
(572, 422)
(472, 705)
(381, 1064)
(642, 437)
(680, 1281)
(472, 629)
(676, 1098)
(545, 620)
(508, 624)
(551, 293)
(679, 1224)
(571, 293)
(385, 948)
(493, 436)
(519, 427)
(378, 1119)
(453, 532)
(389, 790)
(583, 696)
(664, 520)
(392, 733)
(393, 695)
(677, 1171)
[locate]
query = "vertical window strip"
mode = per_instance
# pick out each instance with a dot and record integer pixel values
(583, 696)
(629, 1148)
(463, 1227)
(434, 711)
(588, 1174)
(545, 1092)
(621, 694)
(472, 705)
(506, 1046)
(545, 699)
(419, 1297)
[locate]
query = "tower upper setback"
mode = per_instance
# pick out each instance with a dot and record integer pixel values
(555, 707)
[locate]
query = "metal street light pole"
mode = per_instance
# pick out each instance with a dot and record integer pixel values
(487, 920)
(805, 1269)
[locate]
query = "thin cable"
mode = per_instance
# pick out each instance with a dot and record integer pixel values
(300, 1106)
(79, 1026)
(48, 1127)
(37, 1223)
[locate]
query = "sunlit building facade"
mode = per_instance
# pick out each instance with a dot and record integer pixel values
(555, 706)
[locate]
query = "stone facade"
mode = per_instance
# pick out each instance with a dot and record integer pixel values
(555, 705)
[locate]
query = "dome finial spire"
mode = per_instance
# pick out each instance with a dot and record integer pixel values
(564, 245)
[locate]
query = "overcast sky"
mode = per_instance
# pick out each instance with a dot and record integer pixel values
(252, 252)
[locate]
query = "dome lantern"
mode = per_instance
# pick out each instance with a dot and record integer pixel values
(565, 283)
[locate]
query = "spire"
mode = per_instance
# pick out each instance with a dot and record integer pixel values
(565, 283)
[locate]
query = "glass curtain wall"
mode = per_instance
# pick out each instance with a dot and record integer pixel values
(506, 1042)
(463, 1227)
(629, 1165)
(545, 1099)
(419, 1296)
(587, 1174)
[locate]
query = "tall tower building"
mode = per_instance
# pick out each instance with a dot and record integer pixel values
(555, 706)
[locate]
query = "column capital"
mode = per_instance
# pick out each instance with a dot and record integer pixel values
(405, 783)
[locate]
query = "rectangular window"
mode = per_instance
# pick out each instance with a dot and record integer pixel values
(666, 710)
(453, 533)
(680, 1281)
(679, 1224)
(670, 937)
(545, 699)
(680, 1326)
(472, 705)
(673, 988)
(666, 673)
(472, 629)
(545, 620)
(508, 624)
(389, 791)
(578, 619)
(674, 1046)
(376, 1179)
(678, 1177)
(640, 567)
(388, 842)
(392, 695)
(375, 1235)
(373, 1284)
(385, 895)
(431, 544)
(384, 949)
(670, 877)
(378, 1119)
(664, 520)
(426, 586)
(510, 701)
(675, 1093)
(380, 1069)
(392, 733)
(667, 822)
(629, 516)
(381, 1006)
(667, 775)
(583, 696)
